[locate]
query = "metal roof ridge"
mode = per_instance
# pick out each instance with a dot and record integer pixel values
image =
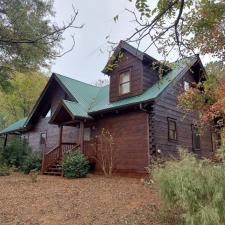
(57, 74)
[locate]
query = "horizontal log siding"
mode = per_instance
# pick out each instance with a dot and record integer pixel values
(70, 135)
(166, 106)
(130, 133)
(150, 76)
(135, 65)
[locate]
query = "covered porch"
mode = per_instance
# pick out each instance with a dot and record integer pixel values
(70, 114)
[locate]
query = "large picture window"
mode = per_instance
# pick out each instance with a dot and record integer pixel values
(195, 137)
(172, 129)
(124, 87)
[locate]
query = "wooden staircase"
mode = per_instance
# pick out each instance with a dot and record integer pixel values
(52, 160)
(55, 169)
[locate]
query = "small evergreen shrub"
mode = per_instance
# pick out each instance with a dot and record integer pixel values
(195, 187)
(4, 170)
(75, 165)
(15, 153)
(31, 163)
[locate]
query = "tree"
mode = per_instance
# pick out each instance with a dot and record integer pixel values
(28, 37)
(17, 103)
(184, 25)
(208, 98)
(188, 27)
(101, 82)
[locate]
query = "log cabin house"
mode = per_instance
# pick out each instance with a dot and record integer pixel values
(137, 107)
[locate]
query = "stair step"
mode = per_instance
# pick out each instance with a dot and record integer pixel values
(53, 173)
(54, 170)
(56, 167)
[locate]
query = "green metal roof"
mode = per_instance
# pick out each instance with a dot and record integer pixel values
(102, 99)
(18, 125)
(91, 99)
(84, 93)
(76, 109)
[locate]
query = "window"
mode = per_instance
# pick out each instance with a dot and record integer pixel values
(172, 129)
(49, 113)
(87, 134)
(186, 86)
(124, 87)
(195, 138)
(43, 137)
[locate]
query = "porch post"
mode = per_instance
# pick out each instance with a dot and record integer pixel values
(60, 134)
(81, 136)
(60, 140)
(5, 141)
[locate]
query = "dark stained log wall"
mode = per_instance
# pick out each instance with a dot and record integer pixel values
(57, 95)
(165, 107)
(143, 76)
(150, 75)
(70, 135)
(130, 133)
(128, 62)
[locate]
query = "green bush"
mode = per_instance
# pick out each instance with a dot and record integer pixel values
(75, 165)
(195, 187)
(15, 153)
(31, 163)
(4, 170)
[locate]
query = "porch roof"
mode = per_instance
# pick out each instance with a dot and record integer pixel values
(17, 126)
(76, 109)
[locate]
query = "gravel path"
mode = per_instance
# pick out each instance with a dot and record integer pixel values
(95, 200)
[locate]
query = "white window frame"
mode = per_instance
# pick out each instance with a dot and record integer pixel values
(123, 83)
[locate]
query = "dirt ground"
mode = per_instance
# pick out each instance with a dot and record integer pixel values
(94, 200)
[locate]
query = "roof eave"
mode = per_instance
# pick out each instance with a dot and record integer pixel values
(121, 107)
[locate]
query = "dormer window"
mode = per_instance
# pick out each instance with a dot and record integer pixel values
(124, 85)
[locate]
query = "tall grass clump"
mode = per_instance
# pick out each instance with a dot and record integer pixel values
(195, 187)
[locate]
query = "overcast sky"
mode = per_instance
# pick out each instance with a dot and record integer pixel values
(89, 56)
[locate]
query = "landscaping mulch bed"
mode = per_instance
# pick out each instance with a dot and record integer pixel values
(94, 200)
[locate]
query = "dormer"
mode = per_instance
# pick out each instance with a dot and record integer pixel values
(131, 72)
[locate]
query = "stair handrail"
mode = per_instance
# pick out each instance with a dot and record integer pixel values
(56, 154)
(50, 157)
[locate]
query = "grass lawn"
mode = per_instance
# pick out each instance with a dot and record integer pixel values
(95, 200)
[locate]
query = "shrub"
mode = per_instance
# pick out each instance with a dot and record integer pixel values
(15, 153)
(4, 171)
(31, 163)
(195, 187)
(75, 165)
(106, 152)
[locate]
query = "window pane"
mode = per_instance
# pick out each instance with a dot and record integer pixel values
(124, 77)
(87, 134)
(172, 125)
(125, 88)
(43, 138)
(195, 137)
(171, 134)
(186, 86)
(172, 130)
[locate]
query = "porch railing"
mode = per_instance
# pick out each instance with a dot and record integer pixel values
(56, 155)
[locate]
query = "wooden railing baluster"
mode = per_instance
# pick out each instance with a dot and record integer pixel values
(57, 155)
